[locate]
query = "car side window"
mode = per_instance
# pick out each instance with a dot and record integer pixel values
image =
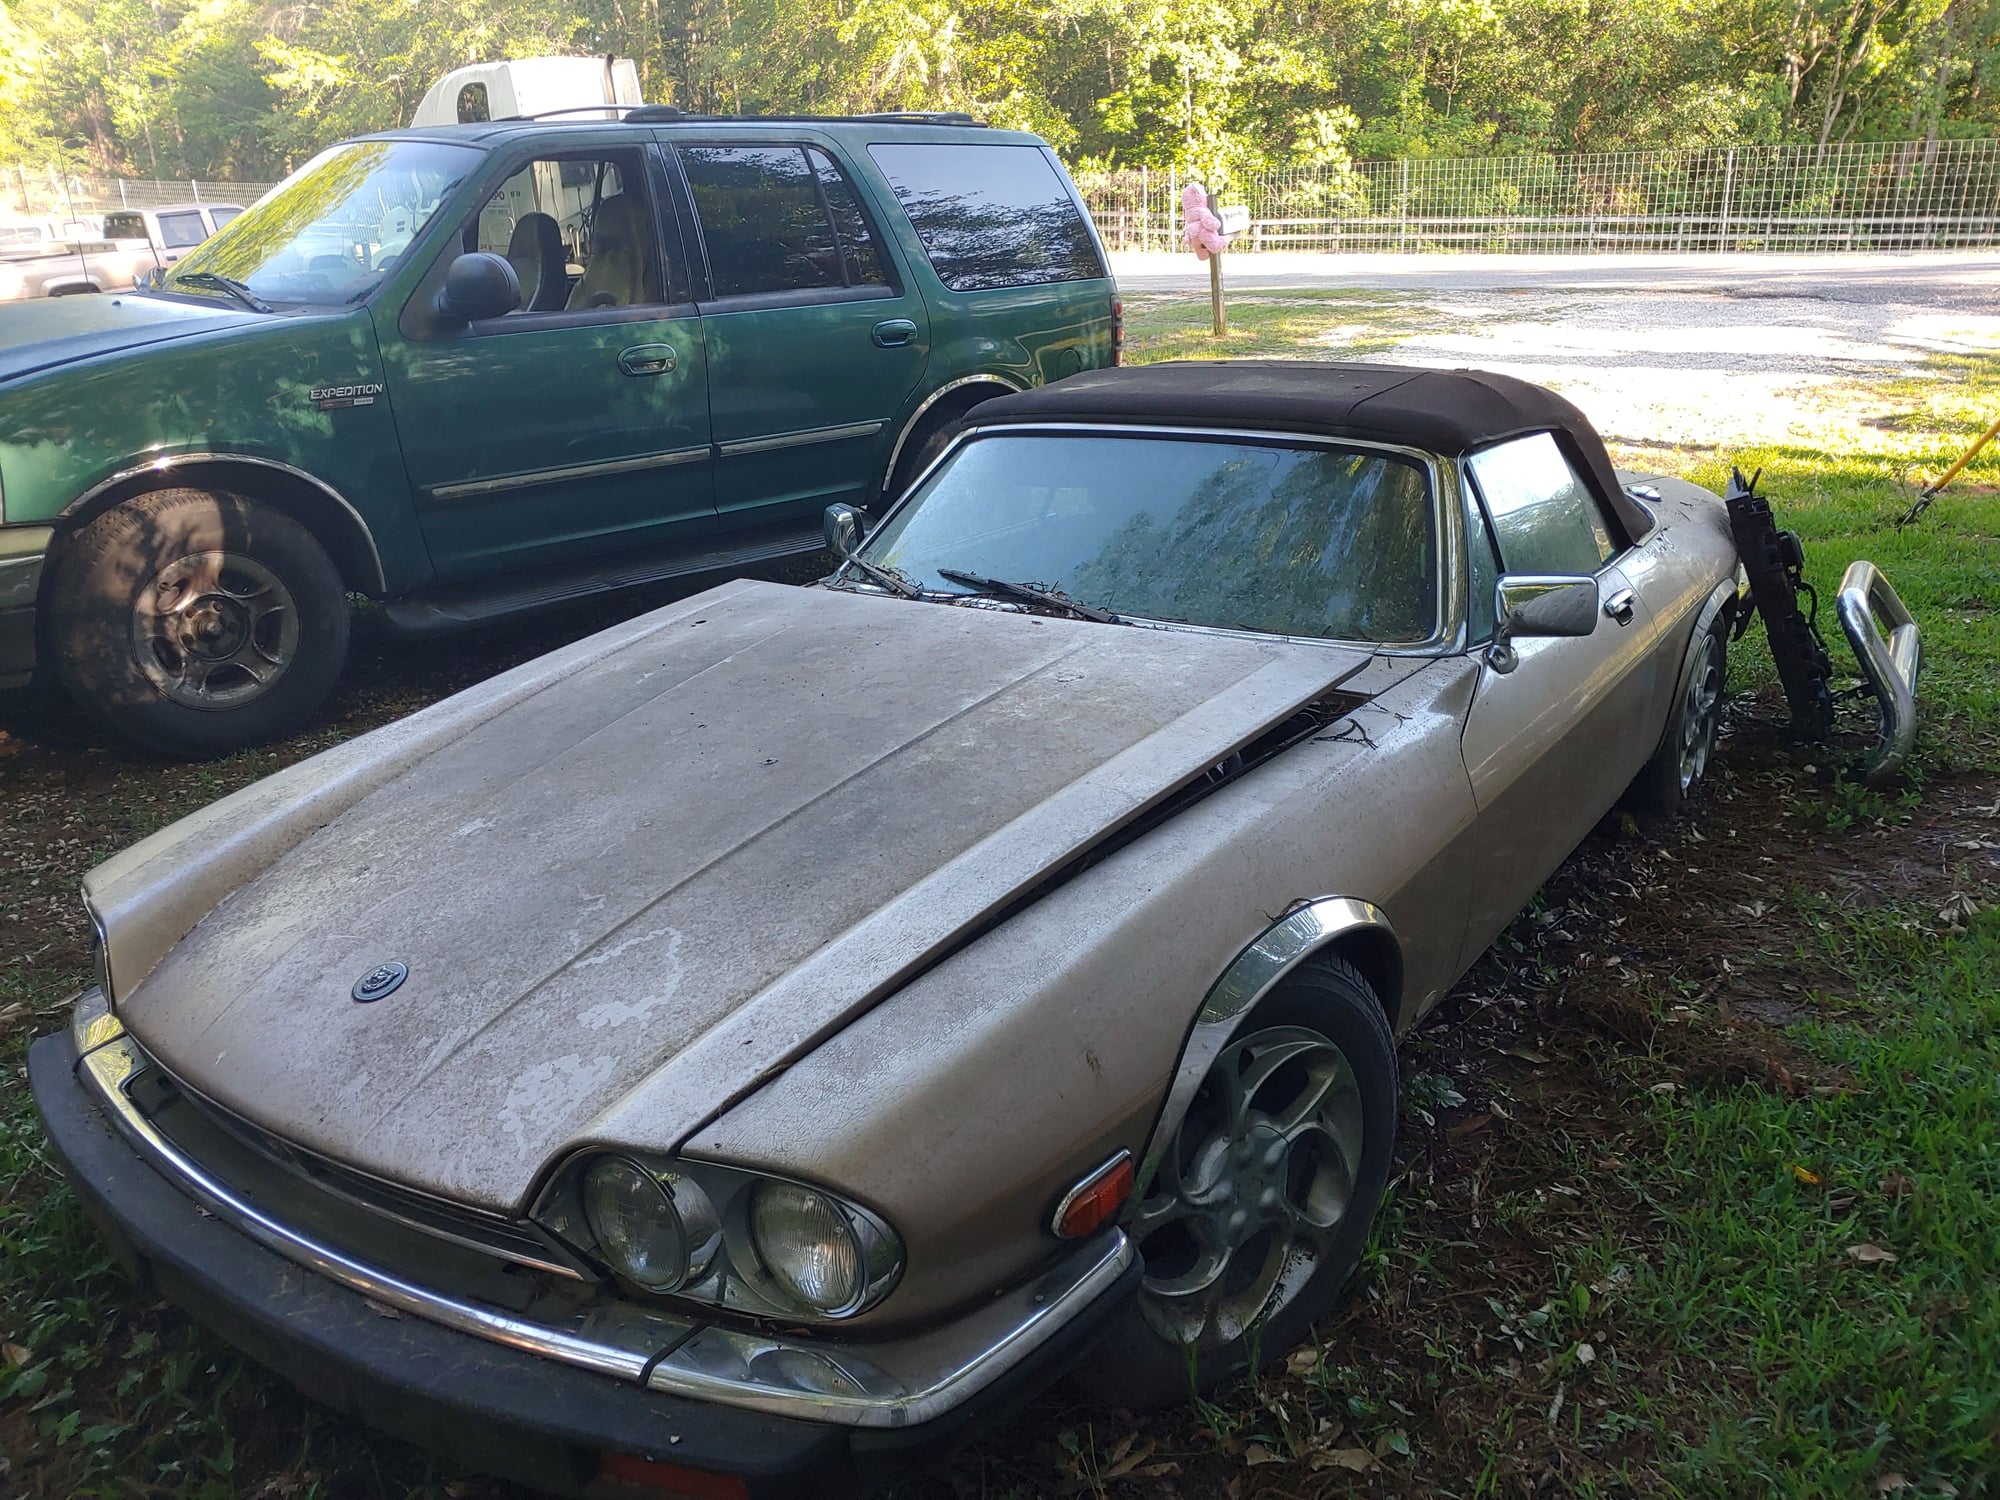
(579, 232)
(991, 216)
(1482, 570)
(1545, 519)
(778, 219)
(220, 216)
(178, 231)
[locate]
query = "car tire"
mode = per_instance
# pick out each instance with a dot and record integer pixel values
(1283, 1265)
(1687, 745)
(198, 622)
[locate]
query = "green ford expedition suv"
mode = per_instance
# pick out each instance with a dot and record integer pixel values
(477, 369)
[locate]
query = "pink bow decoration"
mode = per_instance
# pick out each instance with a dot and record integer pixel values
(1201, 229)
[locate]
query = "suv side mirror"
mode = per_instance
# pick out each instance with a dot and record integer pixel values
(478, 286)
(1528, 605)
(843, 530)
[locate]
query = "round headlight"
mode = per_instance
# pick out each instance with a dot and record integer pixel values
(808, 1246)
(633, 1218)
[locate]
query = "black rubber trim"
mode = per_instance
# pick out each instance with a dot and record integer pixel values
(497, 1410)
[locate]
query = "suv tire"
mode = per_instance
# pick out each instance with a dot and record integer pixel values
(197, 622)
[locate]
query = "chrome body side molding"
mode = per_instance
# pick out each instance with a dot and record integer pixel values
(801, 438)
(1251, 975)
(1890, 666)
(473, 488)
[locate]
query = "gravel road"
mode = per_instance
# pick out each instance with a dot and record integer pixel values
(1688, 350)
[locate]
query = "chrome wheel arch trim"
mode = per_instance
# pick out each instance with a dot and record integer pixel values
(1007, 387)
(165, 463)
(1305, 930)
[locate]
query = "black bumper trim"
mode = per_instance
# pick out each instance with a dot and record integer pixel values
(495, 1409)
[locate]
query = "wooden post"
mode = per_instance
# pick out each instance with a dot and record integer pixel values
(1215, 283)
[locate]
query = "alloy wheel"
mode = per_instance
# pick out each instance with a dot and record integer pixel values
(1248, 1199)
(213, 630)
(1700, 710)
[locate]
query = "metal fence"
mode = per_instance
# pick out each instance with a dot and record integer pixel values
(1889, 195)
(48, 192)
(1938, 195)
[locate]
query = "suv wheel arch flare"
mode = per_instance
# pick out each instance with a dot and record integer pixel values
(327, 514)
(952, 399)
(1357, 931)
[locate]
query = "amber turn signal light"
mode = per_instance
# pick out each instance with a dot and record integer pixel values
(1095, 1201)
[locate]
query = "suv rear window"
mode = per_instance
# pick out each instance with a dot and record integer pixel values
(991, 216)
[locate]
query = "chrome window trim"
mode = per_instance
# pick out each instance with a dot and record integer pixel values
(800, 438)
(1445, 640)
(1251, 975)
(166, 462)
(470, 489)
(894, 1384)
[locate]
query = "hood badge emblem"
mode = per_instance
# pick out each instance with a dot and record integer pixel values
(385, 979)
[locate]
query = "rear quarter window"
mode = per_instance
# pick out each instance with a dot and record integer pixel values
(991, 216)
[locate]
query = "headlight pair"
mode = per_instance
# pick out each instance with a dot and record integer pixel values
(763, 1245)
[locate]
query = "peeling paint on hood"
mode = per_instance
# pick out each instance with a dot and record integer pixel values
(627, 896)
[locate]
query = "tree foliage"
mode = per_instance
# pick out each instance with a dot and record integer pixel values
(248, 88)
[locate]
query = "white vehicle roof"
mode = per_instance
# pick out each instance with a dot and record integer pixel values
(527, 86)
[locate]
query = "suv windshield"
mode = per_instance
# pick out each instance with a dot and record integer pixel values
(329, 232)
(1338, 543)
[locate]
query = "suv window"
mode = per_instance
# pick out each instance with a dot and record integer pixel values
(178, 231)
(778, 219)
(221, 216)
(579, 232)
(1545, 519)
(991, 216)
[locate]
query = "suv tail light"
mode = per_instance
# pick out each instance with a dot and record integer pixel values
(1118, 330)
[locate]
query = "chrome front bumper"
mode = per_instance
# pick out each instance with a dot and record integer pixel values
(1890, 666)
(896, 1383)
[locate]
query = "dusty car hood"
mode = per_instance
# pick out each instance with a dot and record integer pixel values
(629, 895)
(55, 330)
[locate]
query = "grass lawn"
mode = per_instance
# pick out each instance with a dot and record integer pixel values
(1699, 1185)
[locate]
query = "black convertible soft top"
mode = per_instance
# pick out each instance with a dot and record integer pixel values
(1450, 412)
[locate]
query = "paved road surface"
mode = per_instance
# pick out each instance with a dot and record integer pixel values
(1690, 350)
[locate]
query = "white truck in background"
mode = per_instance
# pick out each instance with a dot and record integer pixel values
(530, 86)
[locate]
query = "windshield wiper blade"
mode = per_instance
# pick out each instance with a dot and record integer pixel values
(223, 283)
(1029, 594)
(889, 578)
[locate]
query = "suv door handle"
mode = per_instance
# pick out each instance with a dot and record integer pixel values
(894, 333)
(1619, 606)
(648, 359)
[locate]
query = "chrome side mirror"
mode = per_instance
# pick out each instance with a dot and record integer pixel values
(843, 531)
(1528, 605)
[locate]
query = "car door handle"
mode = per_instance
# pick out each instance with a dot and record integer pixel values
(1619, 606)
(648, 359)
(894, 333)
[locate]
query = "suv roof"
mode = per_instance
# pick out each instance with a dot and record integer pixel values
(653, 115)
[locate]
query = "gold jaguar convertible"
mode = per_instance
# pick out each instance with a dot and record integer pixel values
(757, 1044)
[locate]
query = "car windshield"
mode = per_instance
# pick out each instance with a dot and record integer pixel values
(1295, 539)
(333, 229)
